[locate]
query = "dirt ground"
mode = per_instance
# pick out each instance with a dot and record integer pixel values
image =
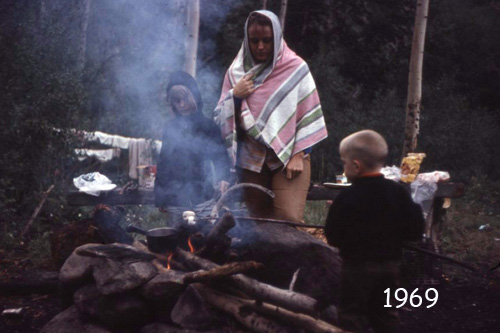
(468, 301)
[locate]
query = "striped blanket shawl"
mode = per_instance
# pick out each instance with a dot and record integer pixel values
(283, 113)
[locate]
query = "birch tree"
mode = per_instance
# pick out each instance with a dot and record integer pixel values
(413, 103)
(193, 26)
(82, 44)
(284, 5)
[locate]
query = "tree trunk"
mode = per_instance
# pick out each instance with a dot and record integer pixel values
(193, 24)
(284, 5)
(82, 46)
(264, 4)
(412, 124)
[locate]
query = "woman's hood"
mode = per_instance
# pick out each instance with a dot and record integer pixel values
(277, 52)
(184, 79)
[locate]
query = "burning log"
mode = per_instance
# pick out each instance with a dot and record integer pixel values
(217, 242)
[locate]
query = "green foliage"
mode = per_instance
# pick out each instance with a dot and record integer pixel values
(39, 250)
(315, 212)
(462, 237)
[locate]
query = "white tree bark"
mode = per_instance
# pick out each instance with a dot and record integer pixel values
(193, 27)
(412, 124)
(82, 45)
(284, 6)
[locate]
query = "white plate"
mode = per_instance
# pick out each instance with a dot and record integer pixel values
(336, 185)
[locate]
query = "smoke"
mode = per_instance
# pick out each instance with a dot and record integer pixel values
(140, 43)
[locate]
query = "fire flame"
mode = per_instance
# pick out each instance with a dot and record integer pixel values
(191, 247)
(168, 260)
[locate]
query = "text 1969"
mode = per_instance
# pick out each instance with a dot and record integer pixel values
(416, 301)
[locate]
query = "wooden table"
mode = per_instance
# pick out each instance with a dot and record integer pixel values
(145, 196)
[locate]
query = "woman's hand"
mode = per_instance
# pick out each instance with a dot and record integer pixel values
(295, 166)
(244, 87)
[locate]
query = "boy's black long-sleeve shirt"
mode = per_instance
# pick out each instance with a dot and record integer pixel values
(372, 219)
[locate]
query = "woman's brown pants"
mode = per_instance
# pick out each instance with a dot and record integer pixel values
(290, 194)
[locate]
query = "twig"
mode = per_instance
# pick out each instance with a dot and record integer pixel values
(293, 224)
(36, 211)
(440, 256)
(294, 279)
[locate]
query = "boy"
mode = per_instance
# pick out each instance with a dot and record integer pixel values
(369, 222)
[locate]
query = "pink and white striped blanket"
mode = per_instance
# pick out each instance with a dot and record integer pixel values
(284, 113)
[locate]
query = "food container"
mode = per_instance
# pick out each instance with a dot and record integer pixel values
(146, 175)
(160, 240)
(410, 166)
(340, 179)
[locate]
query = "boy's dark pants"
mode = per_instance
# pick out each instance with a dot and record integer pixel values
(362, 295)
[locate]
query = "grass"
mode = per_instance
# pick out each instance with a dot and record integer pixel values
(461, 234)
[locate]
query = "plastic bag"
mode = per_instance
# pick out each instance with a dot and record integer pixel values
(410, 166)
(93, 183)
(422, 192)
(393, 173)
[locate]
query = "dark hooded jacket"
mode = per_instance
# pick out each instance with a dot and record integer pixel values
(192, 149)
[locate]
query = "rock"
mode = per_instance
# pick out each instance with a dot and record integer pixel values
(164, 286)
(114, 311)
(116, 251)
(78, 269)
(283, 250)
(191, 311)
(113, 277)
(70, 320)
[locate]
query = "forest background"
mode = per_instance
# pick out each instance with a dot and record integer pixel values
(358, 52)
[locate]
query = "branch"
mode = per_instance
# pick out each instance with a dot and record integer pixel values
(36, 211)
(222, 271)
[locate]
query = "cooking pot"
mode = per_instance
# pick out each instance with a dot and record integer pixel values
(160, 240)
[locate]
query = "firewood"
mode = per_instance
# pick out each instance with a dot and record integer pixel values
(263, 292)
(222, 271)
(236, 308)
(217, 242)
(308, 323)
(43, 284)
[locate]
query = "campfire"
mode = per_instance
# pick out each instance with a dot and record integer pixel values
(252, 275)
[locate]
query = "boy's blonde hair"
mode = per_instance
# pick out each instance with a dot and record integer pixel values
(367, 146)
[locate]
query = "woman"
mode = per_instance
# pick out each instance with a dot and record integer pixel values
(270, 116)
(191, 151)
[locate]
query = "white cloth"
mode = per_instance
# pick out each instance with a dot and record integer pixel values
(102, 155)
(139, 153)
